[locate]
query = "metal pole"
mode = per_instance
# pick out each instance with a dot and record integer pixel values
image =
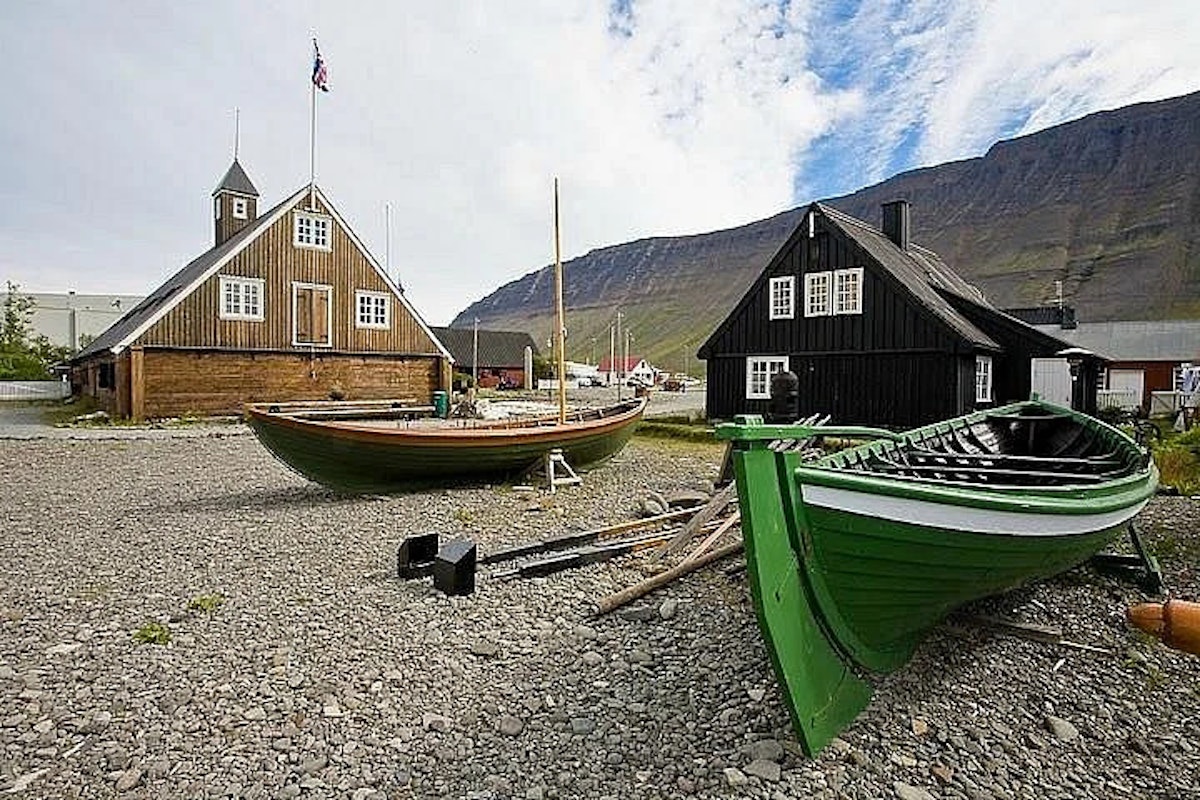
(312, 143)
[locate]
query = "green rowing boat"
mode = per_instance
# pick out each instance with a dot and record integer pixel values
(854, 556)
(376, 454)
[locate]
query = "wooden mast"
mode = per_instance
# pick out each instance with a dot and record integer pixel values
(559, 322)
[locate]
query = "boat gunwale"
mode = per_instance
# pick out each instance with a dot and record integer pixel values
(466, 437)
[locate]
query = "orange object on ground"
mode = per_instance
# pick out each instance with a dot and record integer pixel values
(1176, 622)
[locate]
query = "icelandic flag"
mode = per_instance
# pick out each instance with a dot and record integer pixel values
(320, 77)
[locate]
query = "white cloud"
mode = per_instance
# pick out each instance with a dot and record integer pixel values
(679, 117)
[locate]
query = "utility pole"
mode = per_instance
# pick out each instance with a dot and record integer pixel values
(628, 339)
(475, 358)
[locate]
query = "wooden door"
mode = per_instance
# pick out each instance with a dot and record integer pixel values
(311, 306)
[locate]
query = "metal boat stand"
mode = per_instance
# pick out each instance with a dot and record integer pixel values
(1141, 569)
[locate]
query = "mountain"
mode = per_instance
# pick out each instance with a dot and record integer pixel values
(1108, 204)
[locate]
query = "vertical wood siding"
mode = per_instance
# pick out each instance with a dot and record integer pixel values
(272, 257)
(895, 364)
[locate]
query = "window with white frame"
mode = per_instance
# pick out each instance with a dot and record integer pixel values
(816, 294)
(216, 208)
(983, 379)
(835, 292)
(847, 291)
(373, 309)
(239, 207)
(241, 298)
(311, 230)
(759, 371)
(783, 298)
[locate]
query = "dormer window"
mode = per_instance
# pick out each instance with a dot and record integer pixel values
(239, 207)
(311, 230)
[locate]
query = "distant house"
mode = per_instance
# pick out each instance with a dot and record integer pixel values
(877, 330)
(501, 354)
(635, 367)
(1145, 357)
(287, 305)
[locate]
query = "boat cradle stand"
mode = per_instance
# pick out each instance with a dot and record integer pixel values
(1141, 569)
(554, 468)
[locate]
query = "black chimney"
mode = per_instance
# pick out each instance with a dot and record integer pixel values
(895, 222)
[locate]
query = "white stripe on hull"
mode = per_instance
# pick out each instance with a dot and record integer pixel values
(964, 518)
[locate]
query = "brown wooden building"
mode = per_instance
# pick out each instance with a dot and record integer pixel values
(288, 305)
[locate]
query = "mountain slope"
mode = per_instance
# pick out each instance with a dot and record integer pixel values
(1108, 204)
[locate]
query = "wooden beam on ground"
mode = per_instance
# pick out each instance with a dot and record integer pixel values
(715, 506)
(629, 594)
(597, 534)
(725, 525)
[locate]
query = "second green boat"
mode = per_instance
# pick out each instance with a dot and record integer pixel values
(853, 557)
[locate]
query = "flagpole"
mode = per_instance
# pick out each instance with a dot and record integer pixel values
(312, 145)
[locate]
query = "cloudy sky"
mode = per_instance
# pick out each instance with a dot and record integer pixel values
(658, 116)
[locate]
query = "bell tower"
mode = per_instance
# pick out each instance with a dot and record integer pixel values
(235, 203)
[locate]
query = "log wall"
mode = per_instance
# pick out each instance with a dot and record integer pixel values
(178, 382)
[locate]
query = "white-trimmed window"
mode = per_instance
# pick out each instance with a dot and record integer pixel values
(816, 294)
(837, 292)
(241, 298)
(311, 230)
(240, 205)
(373, 309)
(847, 291)
(217, 207)
(759, 371)
(983, 379)
(783, 298)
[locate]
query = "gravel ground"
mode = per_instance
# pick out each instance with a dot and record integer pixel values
(316, 673)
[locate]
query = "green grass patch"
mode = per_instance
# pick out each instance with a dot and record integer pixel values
(208, 603)
(1178, 459)
(691, 432)
(152, 633)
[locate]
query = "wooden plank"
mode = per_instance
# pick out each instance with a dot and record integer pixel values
(715, 506)
(606, 532)
(725, 525)
(137, 383)
(629, 594)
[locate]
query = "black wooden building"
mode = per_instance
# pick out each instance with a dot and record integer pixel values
(878, 330)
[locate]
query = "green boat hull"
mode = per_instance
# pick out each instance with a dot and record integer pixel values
(359, 458)
(850, 568)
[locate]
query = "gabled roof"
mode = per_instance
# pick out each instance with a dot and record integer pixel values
(237, 181)
(608, 364)
(496, 348)
(127, 329)
(920, 271)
